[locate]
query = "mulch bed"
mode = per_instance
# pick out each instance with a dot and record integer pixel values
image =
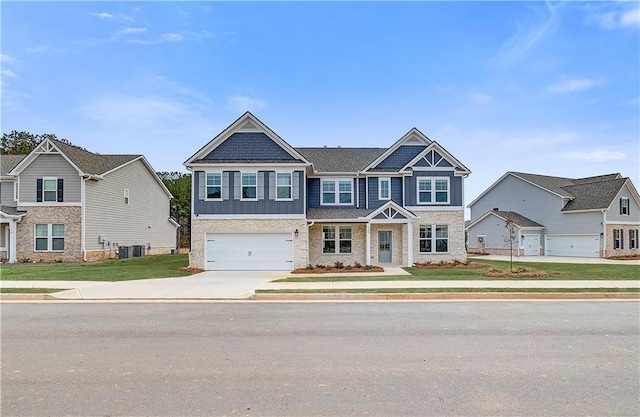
(337, 270)
(624, 258)
(449, 265)
(515, 273)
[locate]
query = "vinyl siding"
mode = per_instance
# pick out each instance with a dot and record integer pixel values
(248, 146)
(494, 229)
(513, 194)
(50, 165)
(396, 192)
(144, 220)
(400, 157)
(6, 194)
(614, 216)
(455, 185)
(313, 196)
(262, 206)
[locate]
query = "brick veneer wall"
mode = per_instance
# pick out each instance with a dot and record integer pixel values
(455, 220)
(70, 216)
(358, 246)
(625, 251)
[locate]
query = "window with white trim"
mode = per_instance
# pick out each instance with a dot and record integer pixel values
(214, 186)
(434, 238)
(283, 186)
(624, 206)
(618, 239)
(16, 191)
(433, 190)
(49, 237)
(337, 192)
(49, 189)
(384, 188)
(340, 241)
(249, 186)
(126, 196)
(633, 239)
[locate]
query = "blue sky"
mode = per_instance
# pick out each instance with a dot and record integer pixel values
(548, 88)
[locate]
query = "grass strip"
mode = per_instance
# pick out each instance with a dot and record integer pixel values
(448, 290)
(30, 290)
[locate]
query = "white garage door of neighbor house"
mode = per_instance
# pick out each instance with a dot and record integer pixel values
(587, 246)
(238, 251)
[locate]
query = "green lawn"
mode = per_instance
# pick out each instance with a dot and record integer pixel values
(29, 290)
(555, 271)
(156, 266)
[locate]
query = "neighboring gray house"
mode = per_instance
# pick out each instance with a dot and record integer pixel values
(259, 203)
(555, 216)
(61, 202)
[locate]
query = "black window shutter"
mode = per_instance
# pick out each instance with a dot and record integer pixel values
(60, 190)
(39, 190)
(620, 206)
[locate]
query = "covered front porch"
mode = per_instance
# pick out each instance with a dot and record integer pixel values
(9, 218)
(361, 236)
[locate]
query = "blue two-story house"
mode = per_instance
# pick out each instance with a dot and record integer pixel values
(260, 204)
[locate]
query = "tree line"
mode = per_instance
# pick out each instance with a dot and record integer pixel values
(178, 183)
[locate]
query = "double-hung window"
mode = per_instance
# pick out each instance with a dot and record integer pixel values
(338, 192)
(126, 196)
(433, 190)
(49, 189)
(249, 186)
(384, 188)
(633, 239)
(618, 239)
(214, 185)
(283, 186)
(434, 238)
(624, 206)
(336, 243)
(49, 237)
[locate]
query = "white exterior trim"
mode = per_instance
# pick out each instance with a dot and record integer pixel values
(413, 133)
(462, 170)
(50, 204)
(380, 180)
(433, 191)
(336, 191)
(436, 208)
(247, 216)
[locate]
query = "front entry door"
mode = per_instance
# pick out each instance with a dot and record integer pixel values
(384, 245)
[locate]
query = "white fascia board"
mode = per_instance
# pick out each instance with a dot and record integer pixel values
(413, 132)
(248, 216)
(569, 197)
(50, 204)
(632, 190)
(345, 175)
(484, 216)
(391, 204)
(438, 208)
(12, 216)
(241, 166)
(329, 221)
(27, 160)
(234, 127)
(623, 223)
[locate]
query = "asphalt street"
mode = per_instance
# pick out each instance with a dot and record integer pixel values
(321, 359)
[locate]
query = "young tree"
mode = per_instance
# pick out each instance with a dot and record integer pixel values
(179, 184)
(512, 236)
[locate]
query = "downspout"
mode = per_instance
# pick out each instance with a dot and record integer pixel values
(604, 233)
(309, 225)
(82, 219)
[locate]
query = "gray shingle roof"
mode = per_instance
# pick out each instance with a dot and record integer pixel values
(337, 213)
(340, 159)
(518, 219)
(7, 162)
(589, 193)
(11, 211)
(93, 163)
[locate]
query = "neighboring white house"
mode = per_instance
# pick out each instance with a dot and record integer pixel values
(555, 216)
(61, 202)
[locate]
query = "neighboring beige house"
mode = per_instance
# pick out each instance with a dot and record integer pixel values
(63, 203)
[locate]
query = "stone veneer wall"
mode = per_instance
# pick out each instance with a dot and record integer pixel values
(455, 220)
(70, 216)
(625, 251)
(200, 227)
(358, 246)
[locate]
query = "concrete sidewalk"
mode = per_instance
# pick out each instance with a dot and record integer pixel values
(556, 259)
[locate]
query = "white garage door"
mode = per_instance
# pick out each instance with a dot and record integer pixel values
(256, 252)
(587, 246)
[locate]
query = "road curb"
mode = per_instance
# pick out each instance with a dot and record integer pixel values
(444, 296)
(27, 297)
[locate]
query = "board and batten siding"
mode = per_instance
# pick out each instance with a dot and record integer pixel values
(614, 216)
(396, 191)
(50, 165)
(264, 205)
(145, 220)
(6, 194)
(543, 207)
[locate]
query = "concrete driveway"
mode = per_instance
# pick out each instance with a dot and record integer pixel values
(205, 285)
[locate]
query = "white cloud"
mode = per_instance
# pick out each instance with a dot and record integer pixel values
(131, 31)
(171, 37)
(46, 49)
(630, 17)
(613, 15)
(596, 156)
(571, 85)
(244, 103)
(6, 59)
(8, 73)
(182, 36)
(103, 15)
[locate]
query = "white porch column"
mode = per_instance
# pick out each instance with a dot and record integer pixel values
(368, 260)
(13, 237)
(409, 244)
